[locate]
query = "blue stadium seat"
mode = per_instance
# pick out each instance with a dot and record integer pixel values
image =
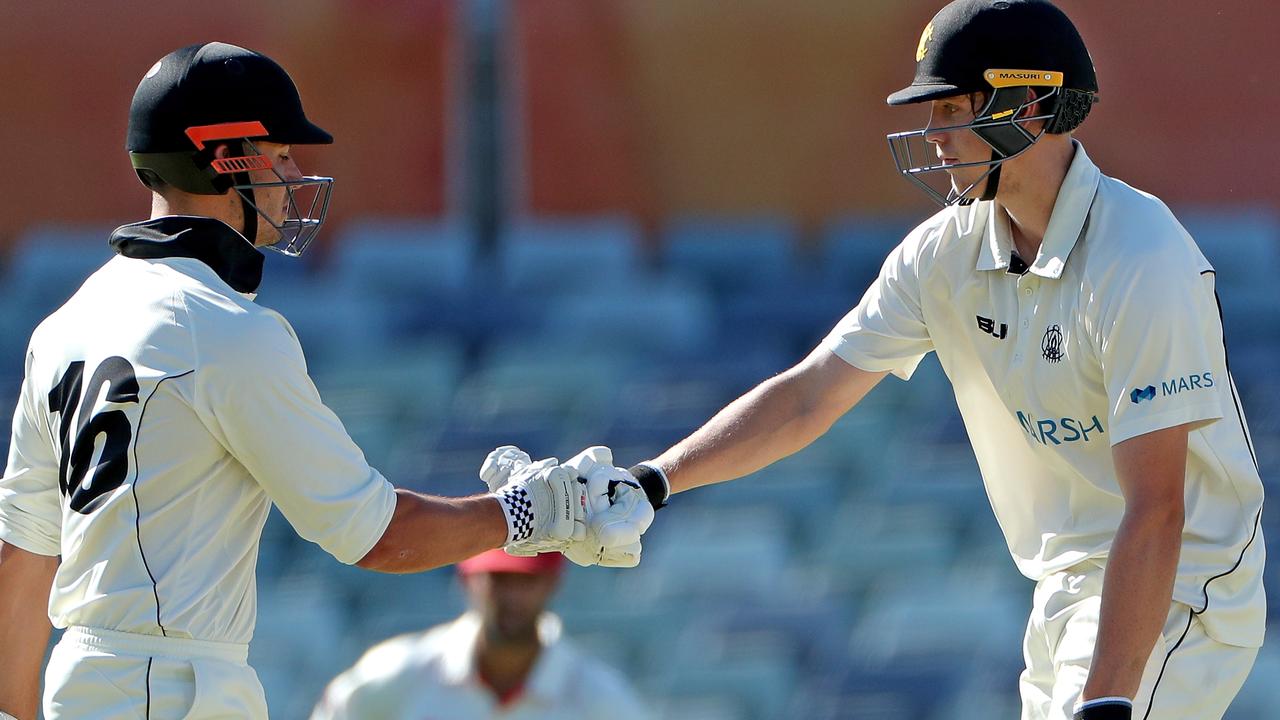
(336, 330)
(300, 642)
(404, 257)
(733, 255)
(740, 554)
(813, 629)
(407, 398)
(918, 617)
(763, 683)
(551, 254)
(48, 264)
(1260, 695)
(1243, 244)
(854, 247)
(804, 487)
(697, 708)
(861, 540)
(659, 318)
(420, 272)
(856, 690)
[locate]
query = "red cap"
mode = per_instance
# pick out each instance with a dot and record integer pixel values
(498, 561)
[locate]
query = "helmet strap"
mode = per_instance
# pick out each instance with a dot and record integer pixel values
(248, 207)
(993, 179)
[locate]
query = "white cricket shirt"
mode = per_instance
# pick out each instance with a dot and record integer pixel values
(161, 415)
(432, 676)
(1113, 332)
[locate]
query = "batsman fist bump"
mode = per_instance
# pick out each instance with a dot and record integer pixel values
(543, 503)
(618, 511)
(614, 510)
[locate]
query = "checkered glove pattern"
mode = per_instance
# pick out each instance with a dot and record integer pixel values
(519, 511)
(544, 505)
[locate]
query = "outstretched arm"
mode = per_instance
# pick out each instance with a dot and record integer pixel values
(428, 532)
(25, 579)
(1143, 562)
(778, 417)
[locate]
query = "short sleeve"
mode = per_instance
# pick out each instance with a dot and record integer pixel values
(256, 397)
(886, 331)
(30, 507)
(1160, 345)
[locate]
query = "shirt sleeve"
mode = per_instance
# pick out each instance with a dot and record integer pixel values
(30, 507)
(886, 331)
(254, 391)
(1160, 344)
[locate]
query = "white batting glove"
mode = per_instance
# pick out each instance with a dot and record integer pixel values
(544, 504)
(618, 511)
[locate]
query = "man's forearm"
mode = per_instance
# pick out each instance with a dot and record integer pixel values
(759, 428)
(779, 417)
(427, 532)
(24, 627)
(1136, 595)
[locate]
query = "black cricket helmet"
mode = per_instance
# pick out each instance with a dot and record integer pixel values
(1019, 54)
(202, 96)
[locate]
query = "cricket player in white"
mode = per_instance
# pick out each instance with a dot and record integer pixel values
(505, 657)
(163, 412)
(1077, 322)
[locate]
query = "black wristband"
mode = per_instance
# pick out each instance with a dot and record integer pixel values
(653, 484)
(1115, 710)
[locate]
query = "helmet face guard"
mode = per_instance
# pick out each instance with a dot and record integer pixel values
(298, 227)
(1000, 124)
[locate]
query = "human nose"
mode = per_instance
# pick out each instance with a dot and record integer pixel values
(289, 170)
(932, 131)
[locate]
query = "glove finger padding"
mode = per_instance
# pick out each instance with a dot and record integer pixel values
(627, 556)
(625, 520)
(498, 467)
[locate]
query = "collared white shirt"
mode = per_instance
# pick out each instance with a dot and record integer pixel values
(1113, 332)
(161, 415)
(432, 676)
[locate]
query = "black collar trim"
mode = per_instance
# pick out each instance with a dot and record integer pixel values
(210, 241)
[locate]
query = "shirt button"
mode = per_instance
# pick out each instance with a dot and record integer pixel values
(1017, 358)
(1026, 324)
(1027, 291)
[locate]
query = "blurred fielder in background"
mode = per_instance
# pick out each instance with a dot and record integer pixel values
(1078, 324)
(163, 412)
(505, 657)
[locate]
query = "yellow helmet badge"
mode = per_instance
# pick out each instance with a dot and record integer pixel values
(925, 37)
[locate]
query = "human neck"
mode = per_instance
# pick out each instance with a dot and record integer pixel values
(504, 665)
(1035, 178)
(216, 207)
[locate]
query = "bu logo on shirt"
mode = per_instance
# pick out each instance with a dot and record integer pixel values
(1051, 344)
(988, 326)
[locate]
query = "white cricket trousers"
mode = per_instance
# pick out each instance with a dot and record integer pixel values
(97, 673)
(1189, 675)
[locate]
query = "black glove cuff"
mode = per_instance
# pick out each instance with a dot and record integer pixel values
(1110, 710)
(653, 483)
